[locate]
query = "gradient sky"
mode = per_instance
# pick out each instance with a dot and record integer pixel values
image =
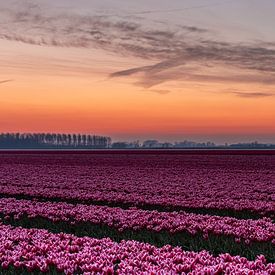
(172, 70)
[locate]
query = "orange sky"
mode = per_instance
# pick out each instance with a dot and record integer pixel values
(69, 89)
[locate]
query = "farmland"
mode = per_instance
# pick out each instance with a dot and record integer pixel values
(132, 212)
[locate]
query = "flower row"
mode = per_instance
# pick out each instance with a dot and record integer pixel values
(237, 183)
(261, 230)
(35, 249)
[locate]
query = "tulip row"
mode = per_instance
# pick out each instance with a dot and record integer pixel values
(191, 231)
(34, 250)
(262, 230)
(242, 208)
(220, 185)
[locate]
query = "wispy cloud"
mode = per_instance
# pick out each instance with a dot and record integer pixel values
(252, 64)
(161, 92)
(221, 2)
(33, 26)
(187, 53)
(5, 81)
(253, 94)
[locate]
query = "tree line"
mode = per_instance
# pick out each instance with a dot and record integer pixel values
(52, 141)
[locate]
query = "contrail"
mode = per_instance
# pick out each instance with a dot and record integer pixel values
(176, 10)
(183, 9)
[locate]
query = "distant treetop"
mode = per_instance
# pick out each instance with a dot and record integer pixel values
(52, 141)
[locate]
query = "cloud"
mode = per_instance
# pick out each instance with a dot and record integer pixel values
(185, 53)
(152, 69)
(5, 81)
(195, 29)
(252, 94)
(48, 28)
(247, 64)
(161, 92)
(182, 9)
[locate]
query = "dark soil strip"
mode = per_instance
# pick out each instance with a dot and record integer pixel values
(23, 271)
(215, 244)
(202, 151)
(240, 214)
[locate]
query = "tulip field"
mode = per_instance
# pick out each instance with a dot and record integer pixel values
(137, 212)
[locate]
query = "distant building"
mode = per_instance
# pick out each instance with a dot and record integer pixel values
(125, 145)
(167, 145)
(151, 143)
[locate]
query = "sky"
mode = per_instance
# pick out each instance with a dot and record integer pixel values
(172, 70)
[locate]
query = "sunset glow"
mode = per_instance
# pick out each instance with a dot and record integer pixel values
(139, 71)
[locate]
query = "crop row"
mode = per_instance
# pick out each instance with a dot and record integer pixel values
(262, 230)
(38, 250)
(241, 208)
(203, 184)
(191, 231)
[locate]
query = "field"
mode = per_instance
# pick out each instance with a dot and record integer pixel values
(130, 212)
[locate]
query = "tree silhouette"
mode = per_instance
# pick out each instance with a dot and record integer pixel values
(52, 141)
